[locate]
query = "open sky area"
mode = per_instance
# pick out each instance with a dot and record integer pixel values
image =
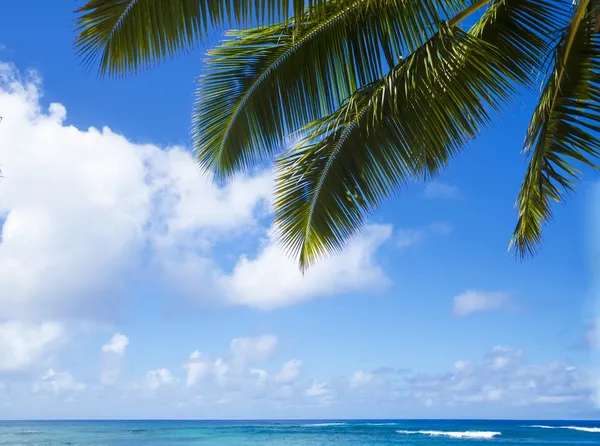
(133, 287)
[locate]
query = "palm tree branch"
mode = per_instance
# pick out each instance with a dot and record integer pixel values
(404, 127)
(564, 129)
(377, 142)
(276, 62)
(129, 35)
(261, 85)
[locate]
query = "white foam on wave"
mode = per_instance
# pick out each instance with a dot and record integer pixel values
(325, 424)
(462, 434)
(595, 430)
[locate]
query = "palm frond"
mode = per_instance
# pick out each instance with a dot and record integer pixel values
(403, 128)
(129, 35)
(266, 82)
(522, 30)
(564, 129)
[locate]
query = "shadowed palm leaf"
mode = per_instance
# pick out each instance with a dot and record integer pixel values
(128, 35)
(357, 156)
(266, 82)
(563, 131)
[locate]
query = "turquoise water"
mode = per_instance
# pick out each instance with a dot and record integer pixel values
(306, 433)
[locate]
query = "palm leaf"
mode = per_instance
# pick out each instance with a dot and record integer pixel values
(563, 131)
(522, 31)
(403, 128)
(266, 82)
(129, 35)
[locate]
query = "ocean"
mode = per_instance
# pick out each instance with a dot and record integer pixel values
(305, 433)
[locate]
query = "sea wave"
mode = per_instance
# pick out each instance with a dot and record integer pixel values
(27, 433)
(324, 424)
(460, 434)
(595, 430)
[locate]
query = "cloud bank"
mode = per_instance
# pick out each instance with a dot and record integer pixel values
(83, 210)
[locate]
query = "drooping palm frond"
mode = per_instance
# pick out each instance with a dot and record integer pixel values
(129, 35)
(268, 81)
(564, 129)
(404, 127)
(522, 30)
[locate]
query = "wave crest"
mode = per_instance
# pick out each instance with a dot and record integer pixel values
(595, 430)
(461, 434)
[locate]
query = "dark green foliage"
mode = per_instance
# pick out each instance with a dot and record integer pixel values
(358, 98)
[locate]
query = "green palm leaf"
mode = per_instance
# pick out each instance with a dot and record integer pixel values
(405, 127)
(266, 82)
(521, 30)
(128, 35)
(563, 131)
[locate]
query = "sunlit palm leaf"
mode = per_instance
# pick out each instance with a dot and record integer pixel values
(405, 127)
(564, 130)
(128, 35)
(268, 81)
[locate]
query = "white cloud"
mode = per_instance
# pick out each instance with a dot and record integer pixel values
(476, 301)
(502, 378)
(500, 383)
(197, 368)
(83, 208)
(202, 370)
(57, 383)
(156, 379)
(117, 344)
(360, 378)
(236, 378)
(438, 189)
(289, 373)
(321, 391)
(272, 280)
(113, 353)
(23, 344)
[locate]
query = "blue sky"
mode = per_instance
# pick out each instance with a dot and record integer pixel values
(131, 287)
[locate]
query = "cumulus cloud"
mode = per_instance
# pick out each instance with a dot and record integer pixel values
(477, 301)
(22, 345)
(117, 344)
(234, 369)
(438, 189)
(502, 376)
(84, 208)
(157, 379)
(321, 392)
(501, 383)
(272, 280)
(243, 375)
(113, 353)
(360, 379)
(289, 373)
(57, 383)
